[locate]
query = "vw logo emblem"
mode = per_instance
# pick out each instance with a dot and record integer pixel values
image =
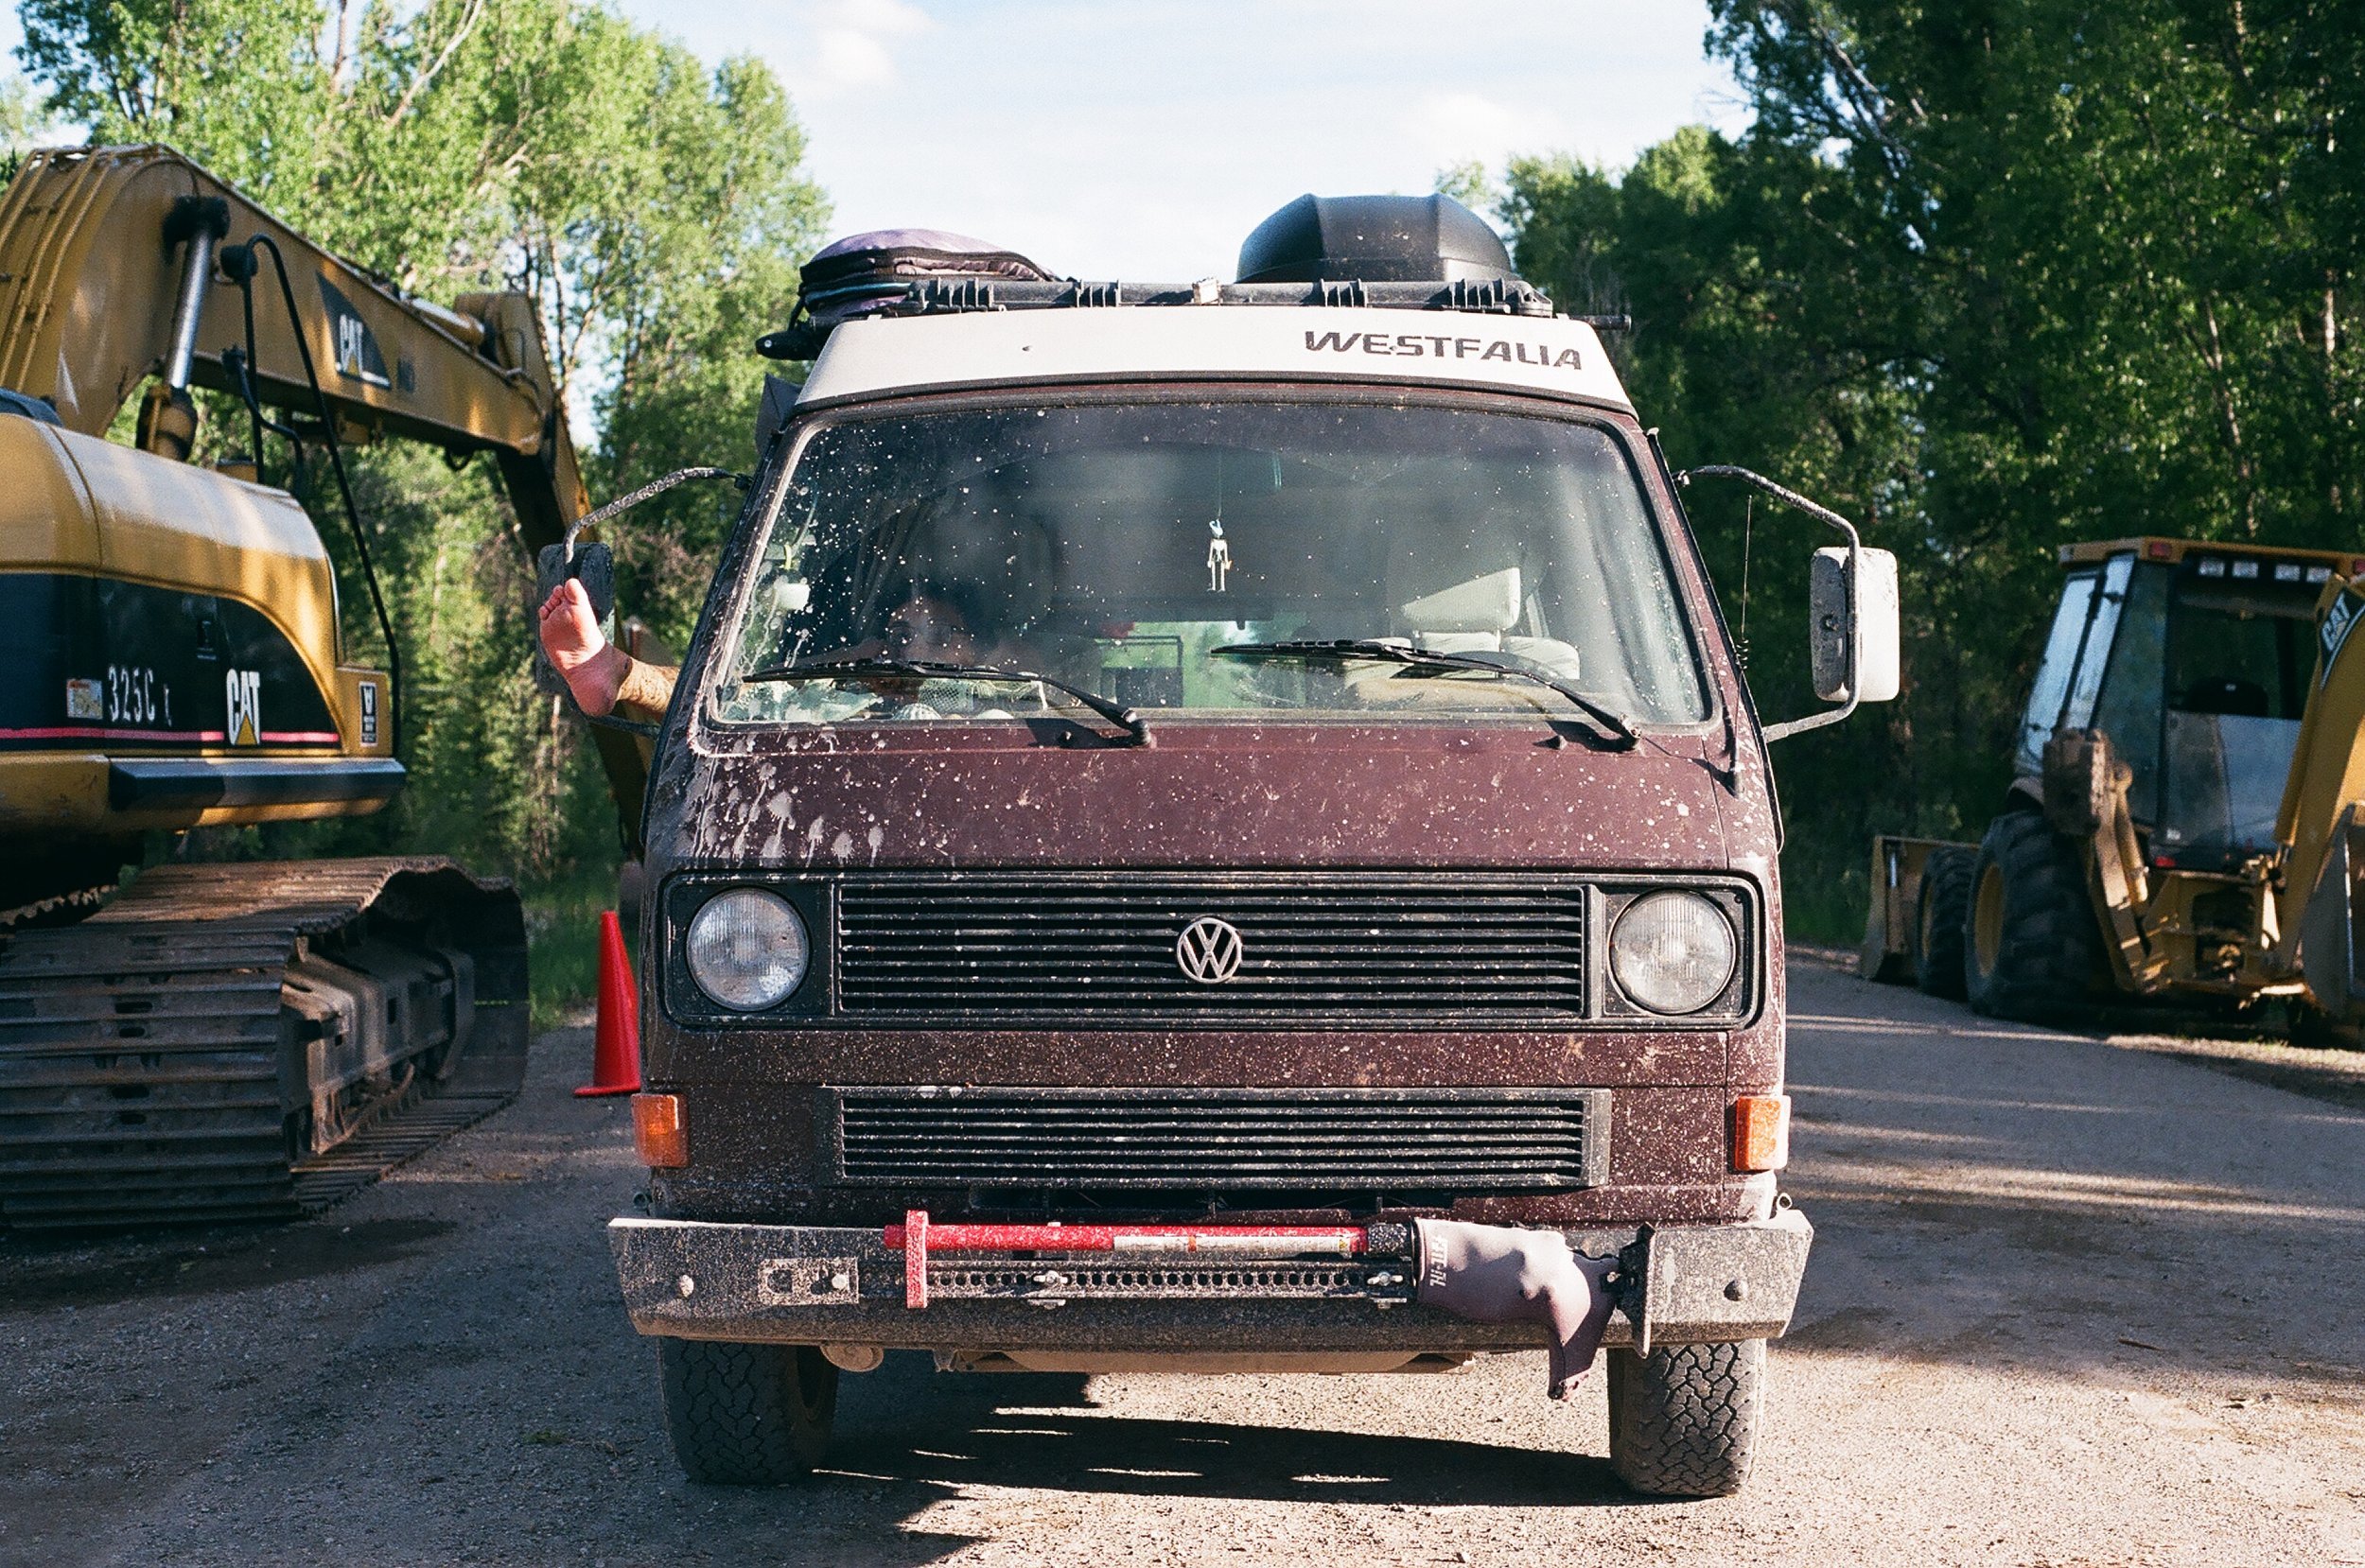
(1209, 950)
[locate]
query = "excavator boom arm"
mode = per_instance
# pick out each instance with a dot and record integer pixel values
(101, 247)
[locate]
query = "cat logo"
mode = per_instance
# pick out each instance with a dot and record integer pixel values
(244, 727)
(2340, 619)
(354, 348)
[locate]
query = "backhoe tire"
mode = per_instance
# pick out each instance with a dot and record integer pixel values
(2035, 943)
(1683, 1421)
(2308, 1025)
(1942, 923)
(746, 1415)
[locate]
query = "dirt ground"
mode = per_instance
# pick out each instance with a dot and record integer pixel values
(2070, 1302)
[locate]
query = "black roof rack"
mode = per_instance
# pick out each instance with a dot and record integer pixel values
(802, 339)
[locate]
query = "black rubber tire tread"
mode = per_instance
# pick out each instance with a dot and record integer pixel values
(2052, 948)
(1683, 1421)
(1946, 879)
(746, 1415)
(2310, 1027)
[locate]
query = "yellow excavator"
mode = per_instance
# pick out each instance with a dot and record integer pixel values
(2183, 823)
(227, 1042)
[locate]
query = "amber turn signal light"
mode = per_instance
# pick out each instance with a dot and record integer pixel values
(658, 1131)
(1760, 1132)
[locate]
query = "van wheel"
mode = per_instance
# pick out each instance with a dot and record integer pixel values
(1943, 919)
(746, 1415)
(2035, 946)
(1683, 1421)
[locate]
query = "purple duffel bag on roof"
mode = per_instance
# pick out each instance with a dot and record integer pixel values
(868, 273)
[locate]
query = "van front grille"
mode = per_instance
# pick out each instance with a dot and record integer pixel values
(1192, 1140)
(1416, 949)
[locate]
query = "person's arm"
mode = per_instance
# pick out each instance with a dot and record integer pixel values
(602, 676)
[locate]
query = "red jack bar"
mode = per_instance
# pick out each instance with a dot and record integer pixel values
(916, 1238)
(914, 1244)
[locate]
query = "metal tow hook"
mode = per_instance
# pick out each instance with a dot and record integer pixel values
(1629, 1287)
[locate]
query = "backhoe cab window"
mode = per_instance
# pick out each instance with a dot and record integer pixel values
(2248, 655)
(2075, 651)
(2239, 655)
(1118, 546)
(2202, 680)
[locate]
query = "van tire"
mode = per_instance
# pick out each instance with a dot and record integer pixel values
(2033, 945)
(746, 1415)
(1683, 1421)
(1942, 923)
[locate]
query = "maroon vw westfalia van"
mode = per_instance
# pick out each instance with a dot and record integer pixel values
(1218, 829)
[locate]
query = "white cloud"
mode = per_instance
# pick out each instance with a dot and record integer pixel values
(888, 18)
(851, 43)
(1455, 126)
(850, 58)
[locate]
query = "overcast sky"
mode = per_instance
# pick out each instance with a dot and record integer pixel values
(1144, 138)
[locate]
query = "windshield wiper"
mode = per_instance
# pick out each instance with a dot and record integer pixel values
(1134, 725)
(1422, 659)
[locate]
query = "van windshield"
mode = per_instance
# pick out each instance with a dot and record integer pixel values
(1118, 546)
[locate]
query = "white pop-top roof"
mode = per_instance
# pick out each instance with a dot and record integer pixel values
(869, 358)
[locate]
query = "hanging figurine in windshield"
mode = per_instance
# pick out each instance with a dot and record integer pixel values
(1219, 559)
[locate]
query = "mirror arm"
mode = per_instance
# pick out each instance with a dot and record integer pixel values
(1782, 493)
(655, 487)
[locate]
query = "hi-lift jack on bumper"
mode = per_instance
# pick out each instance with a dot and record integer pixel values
(1485, 1273)
(916, 1237)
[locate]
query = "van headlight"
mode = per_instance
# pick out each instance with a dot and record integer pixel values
(748, 950)
(1673, 952)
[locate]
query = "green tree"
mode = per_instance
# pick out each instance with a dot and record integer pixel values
(1989, 278)
(23, 124)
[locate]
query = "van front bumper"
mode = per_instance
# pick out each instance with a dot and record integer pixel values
(833, 1285)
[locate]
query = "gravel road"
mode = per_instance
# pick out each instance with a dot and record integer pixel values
(2070, 1304)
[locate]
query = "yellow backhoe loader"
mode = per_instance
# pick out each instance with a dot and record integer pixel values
(2183, 823)
(218, 1042)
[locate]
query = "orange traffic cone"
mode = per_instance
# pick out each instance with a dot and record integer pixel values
(616, 1050)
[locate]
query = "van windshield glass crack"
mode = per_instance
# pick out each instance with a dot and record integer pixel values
(1119, 547)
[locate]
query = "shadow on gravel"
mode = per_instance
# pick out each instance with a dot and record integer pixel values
(2011, 1196)
(2331, 1071)
(907, 1423)
(82, 1273)
(2335, 1077)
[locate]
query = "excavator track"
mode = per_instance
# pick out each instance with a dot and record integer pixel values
(237, 1042)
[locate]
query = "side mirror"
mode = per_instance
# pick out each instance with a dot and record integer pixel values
(1851, 596)
(1854, 635)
